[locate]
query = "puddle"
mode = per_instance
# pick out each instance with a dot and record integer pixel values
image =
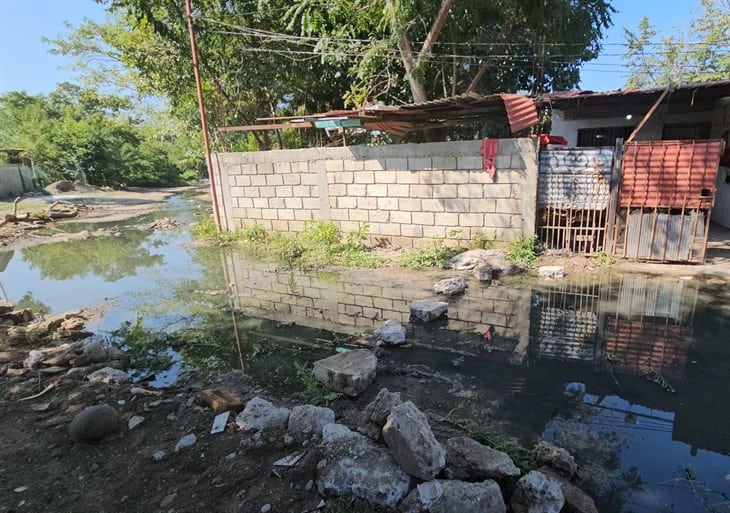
(630, 373)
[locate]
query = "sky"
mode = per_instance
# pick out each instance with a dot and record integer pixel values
(26, 65)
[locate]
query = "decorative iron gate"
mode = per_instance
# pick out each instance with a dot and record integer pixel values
(574, 197)
(666, 193)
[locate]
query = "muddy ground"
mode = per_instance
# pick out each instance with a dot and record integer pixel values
(42, 470)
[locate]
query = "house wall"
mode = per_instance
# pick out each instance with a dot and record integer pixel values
(651, 131)
(721, 210)
(15, 179)
(406, 193)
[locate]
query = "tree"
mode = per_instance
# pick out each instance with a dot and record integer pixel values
(698, 55)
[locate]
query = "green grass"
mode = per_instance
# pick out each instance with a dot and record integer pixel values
(315, 392)
(433, 254)
(523, 251)
(604, 259)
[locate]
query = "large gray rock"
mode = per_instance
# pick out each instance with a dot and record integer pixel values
(468, 260)
(358, 466)
(450, 286)
(378, 410)
(307, 420)
(537, 493)
(91, 351)
(93, 423)
(261, 416)
(349, 373)
(428, 310)
(454, 496)
(109, 376)
(551, 272)
(556, 458)
(576, 500)
(468, 459)
(410, 439)
(391, 332)
(35, 357)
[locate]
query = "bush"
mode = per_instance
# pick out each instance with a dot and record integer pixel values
(433, 254)
(523, 251)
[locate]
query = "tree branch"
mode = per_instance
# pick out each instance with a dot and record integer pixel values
(438, 24)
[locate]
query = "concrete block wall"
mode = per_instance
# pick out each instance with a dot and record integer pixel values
(15, 179)
(406, 193)
(357, 301)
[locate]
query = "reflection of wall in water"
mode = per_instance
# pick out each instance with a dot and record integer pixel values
(636, 325)
(359, 300)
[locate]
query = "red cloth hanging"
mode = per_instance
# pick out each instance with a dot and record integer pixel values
(490, 148)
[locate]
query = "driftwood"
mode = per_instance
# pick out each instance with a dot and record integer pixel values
(42, 216)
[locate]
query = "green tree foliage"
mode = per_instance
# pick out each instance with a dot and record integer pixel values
(281, 57)
(76, 132)
(699, 54)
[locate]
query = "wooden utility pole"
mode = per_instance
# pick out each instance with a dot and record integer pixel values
(201, 108)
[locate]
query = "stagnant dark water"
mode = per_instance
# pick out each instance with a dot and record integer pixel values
(631, 373)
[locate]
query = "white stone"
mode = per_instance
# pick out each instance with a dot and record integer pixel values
(134, 422)
(260, 415)
(350, 372)
(428, 310)
(551, 272)
(219, 422)
(391, 332)
(186, 441)
(108, 376)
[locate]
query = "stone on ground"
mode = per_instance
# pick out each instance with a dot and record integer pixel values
(109, 376)
(186, 441)
(450, 286)
(468, 260)
(537, 493)
(468, 459)
(576, 500)
(307, 420)
(357, 466)
(551, 272)
(454, 496)
(378, 410)
(349, 373)
(392, 332)
(412, 443)
(221, 399)
(261, 416)
(556, 458)
(428, 310)
(93, 423)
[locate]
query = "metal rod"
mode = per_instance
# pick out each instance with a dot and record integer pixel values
(201, 108)
(648, 114)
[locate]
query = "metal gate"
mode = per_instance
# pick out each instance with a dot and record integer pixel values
(574, 197)
(666, 193)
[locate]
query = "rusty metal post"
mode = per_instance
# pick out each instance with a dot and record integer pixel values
(201, 108)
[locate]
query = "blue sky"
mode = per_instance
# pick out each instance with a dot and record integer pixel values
(25, 63)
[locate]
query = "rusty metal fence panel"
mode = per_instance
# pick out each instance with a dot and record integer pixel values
(666, 193)
(574, 197)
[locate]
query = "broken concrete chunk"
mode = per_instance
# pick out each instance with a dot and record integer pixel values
(428, 310)
(537, 493)
(219, 423)
(391, 332)
(412, 443)
(108, 376)
(439, 496)
(349, 373)
(450, 286)
(307, 420)
(261, 416)
(378, 410)
(551, 272)
(556, 458)
(186, 441)
(220, 400)
(468, 459)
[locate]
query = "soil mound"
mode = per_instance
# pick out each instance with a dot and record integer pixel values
(66, 187)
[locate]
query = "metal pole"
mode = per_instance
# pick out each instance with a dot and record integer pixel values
(201, 107)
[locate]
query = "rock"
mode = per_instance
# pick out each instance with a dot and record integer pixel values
(72, 324)
(411, 441)
(260, 416)
(91, 352)
(350, 372)
(576, 500)
(34, 359)
(20, 316)
(378, 410)
(186, 441)
(265, 508)
(537, 493)
(93, 423)
(159, 456)
(134, 422)
(108, 376)
(450, 286)
(483, 272)
(428, 310)
(468, 459)
(496, 260)
(356, 465)
(556, 458)
(454, 496)
(5, 307)
(551, 272)
(308, 420)
(289, 461)
(391, 332)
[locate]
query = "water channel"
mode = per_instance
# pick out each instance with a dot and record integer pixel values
(628, 372)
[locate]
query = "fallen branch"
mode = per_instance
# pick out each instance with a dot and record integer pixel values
(36, 396)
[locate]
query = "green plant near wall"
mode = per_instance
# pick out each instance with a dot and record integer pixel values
(523, 251)
(314, 390)
(433, 254)
(604, 259)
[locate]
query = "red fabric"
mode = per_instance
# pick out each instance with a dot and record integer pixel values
(490, 148)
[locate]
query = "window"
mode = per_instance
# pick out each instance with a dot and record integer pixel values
(605, 136)
(686, 131)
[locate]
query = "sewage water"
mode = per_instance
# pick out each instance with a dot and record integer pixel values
(630, 373)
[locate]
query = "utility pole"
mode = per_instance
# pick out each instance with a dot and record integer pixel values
(201, 108)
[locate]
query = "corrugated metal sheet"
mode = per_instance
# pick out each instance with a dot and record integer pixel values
(521, 111)
(567, 334)
(669, 174)
(575, 178)
(661, 236)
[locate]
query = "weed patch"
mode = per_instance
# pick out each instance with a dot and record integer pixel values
(433, 254)
(314, 390)
(523, 251)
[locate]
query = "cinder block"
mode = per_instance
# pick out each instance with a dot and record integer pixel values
(471, 191)
(280, 226)
(359, 215)
(267, 192)
(276, 203)
(503, 162)
(390, 229)
(260, 202)
(301, 191)
(456, 205)
(366, 177)
(339, 214)
(382, 303)
(456, 176)
(378, 216)
(423, 218)
(443, 162)
(385, 176)
(286, 214)
(367, 203)
(245, 202)
(444, 191)
(411, 230)
(471, 220)
(396, 163)
(378, 190)
(344, 177)
(357, 190)
(434, 177)
(334, 165)
(269, 213)
(346, 202)
(274, 180)
(337, 189)
(253, 213)
(282, 168)
(407, 177)
(292, 179)
(419, 163)
(243, 180)
(483, 205)
(432, 205)
(258, 180)
(469, 163)
(284, 191)
(434, 231)
(311, 203)
(293, 203)
(388, 203)
(498, 191)
(396, 216)
(410, 205)
(498, 220)
(421, 191)
(265, 168)
(353, 165)
(309, 178)
(248, 169)
(508, 147)
(373, 165)
(399, 191)
(303, 215)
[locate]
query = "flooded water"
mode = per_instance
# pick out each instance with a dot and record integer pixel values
(630, 373)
